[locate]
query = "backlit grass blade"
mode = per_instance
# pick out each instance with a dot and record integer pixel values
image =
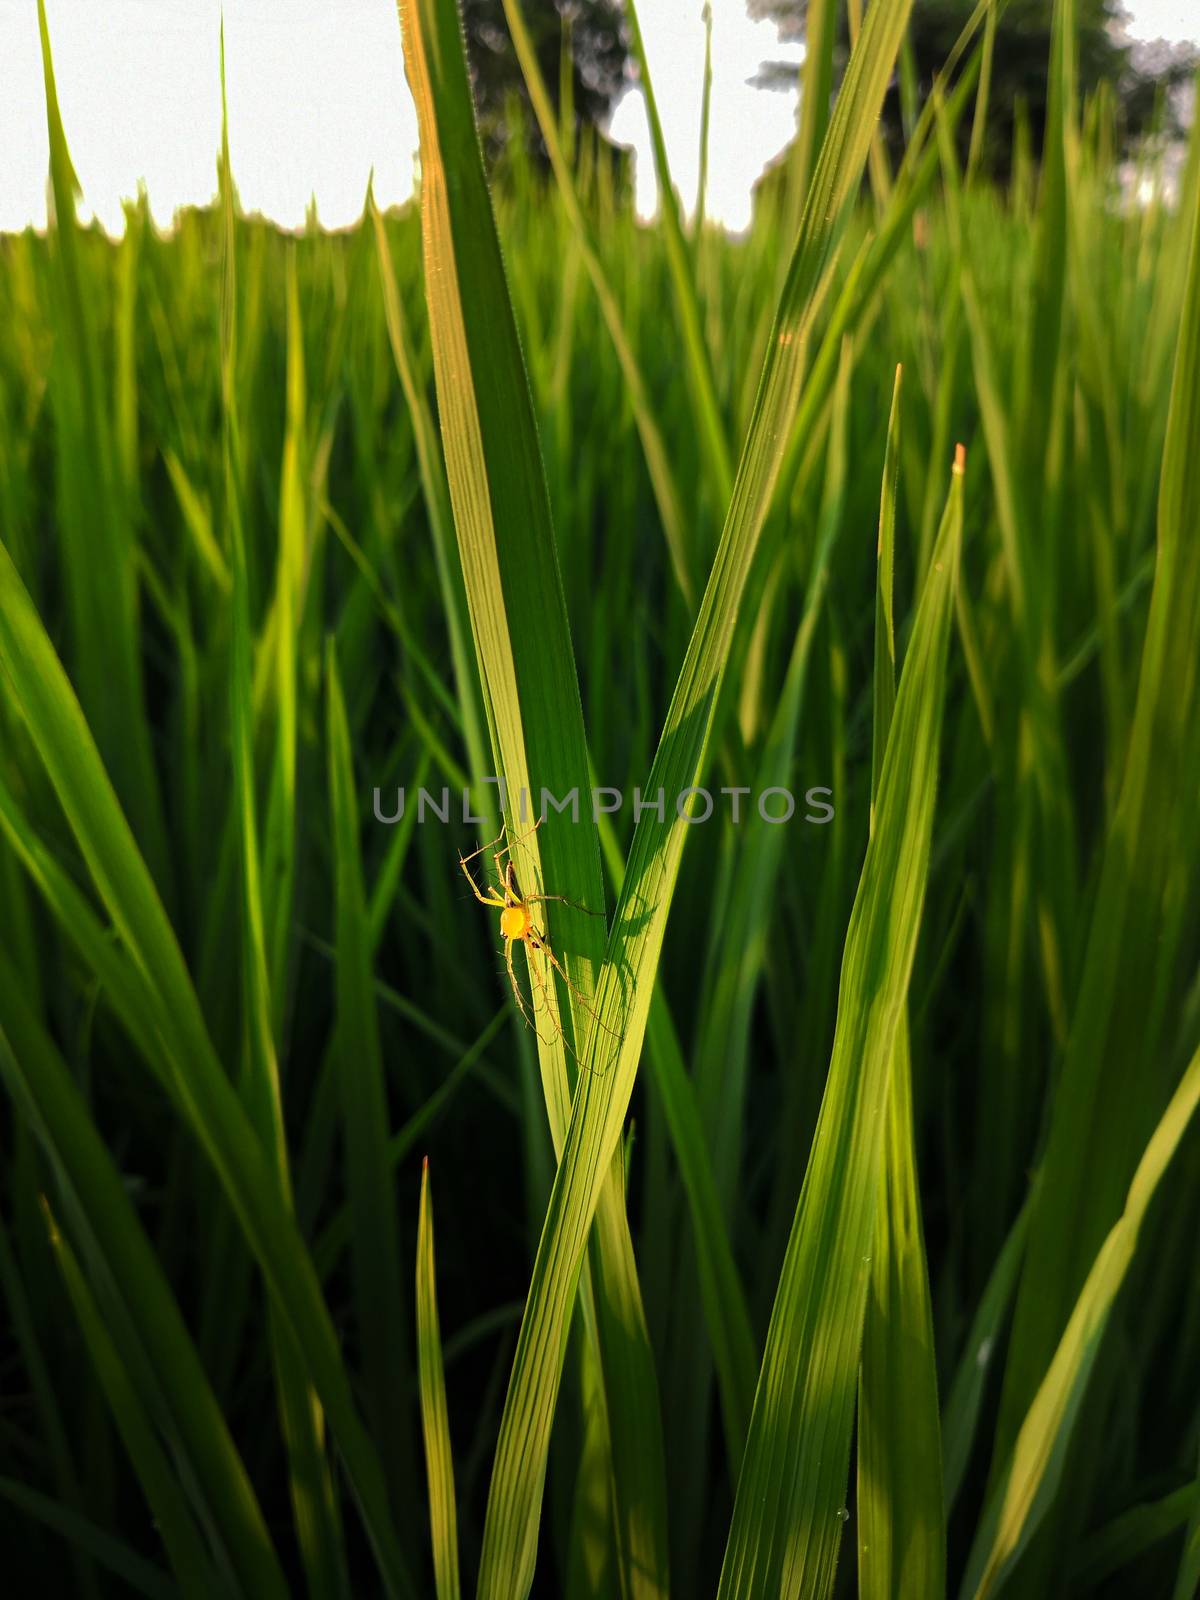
(705, 125)
(742, 946)
(701, 388)
(100, 574)
(901, 1521)
(820, 36)
(374, 1241)
(1028, 1485)
(314, 1508)
(722, 1295)
(787, 1524)
(439, 1458)
(437, 505)
(514, 593)
(723, 1054)
(635, 942)
(680, 544)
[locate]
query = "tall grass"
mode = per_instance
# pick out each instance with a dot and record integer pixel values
(833, 1231)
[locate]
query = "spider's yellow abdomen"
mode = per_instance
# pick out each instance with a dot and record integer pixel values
(514, 922)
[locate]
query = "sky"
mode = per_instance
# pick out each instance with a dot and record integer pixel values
(317, 99)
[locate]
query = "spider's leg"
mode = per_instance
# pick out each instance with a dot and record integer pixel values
(551, 1007)
(518, 838)
(540, 984)
(491, 845)
(490, 898)
(508, 881)
(516, 987)
(505, 849)
(576, 991)
(540, 899)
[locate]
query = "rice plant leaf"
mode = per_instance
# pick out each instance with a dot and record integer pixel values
(518, 619)
(197, 519)
(722, 1051)
(374, 1241)
(439, 1456)
(960, 1414)
(437, 503)
(658, 460)
(635, 941)
(1031, 1479)
(314, 1507)
(723, 1298)
(702, 392)
(1131, 1533)
(819, 41)
(901, 1521)
(93, 520)
(180, 1536)
(1187, 1582)
(788, 1517)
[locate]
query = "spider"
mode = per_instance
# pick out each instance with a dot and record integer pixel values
(517, 925)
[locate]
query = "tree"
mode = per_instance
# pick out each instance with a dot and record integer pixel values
(595, 31)
(1144, 78)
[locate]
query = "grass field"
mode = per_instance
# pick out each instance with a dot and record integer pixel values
(821, 1218)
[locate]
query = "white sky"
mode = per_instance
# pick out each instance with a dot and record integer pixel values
(317, 98)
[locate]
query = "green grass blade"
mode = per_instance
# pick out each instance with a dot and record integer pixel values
(786, 1524)
(180, 1537)
(627, 978)
(723, 1297)
(901, 1520)
(658, 461)
(437, 503)
(960, 1414)
(1121, 1541)
(93, 518)
(514, 592)
(705, 122)
(374, 1241)
(820, 36)
(1187, 1583)
(1031, 1479)
(303, 1425)
(166, 1365)
(701, 387)
(439, 1458)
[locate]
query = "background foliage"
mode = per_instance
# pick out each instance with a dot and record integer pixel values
(884, 1281)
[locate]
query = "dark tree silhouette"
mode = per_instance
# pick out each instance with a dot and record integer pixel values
(1144, 78)
(599, 55)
